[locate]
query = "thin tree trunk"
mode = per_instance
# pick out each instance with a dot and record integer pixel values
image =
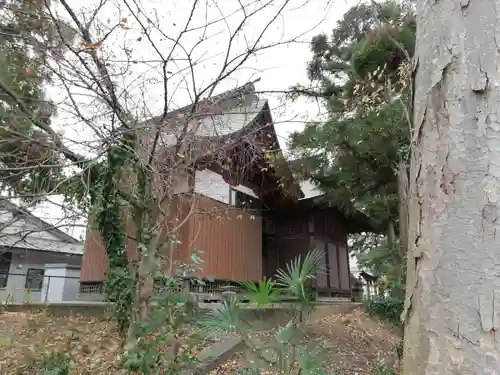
(453, 287)
(403, 209)
(403, 189)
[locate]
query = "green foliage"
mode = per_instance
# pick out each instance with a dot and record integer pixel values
(262, 293)
(363, 76)
(167, 340)
(385, 261)
(362, 27)
(30, 159)
(354, 155)
(311, 361)
(384, 47)
(120, 281)
(81, 191)
(386, 309)
(101, 193)
(54, 363)
(299, 272)
(381, 369)
(119, 288)
(226, 319)
(284, 351)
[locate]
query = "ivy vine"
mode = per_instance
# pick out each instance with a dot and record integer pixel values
(109, 198)
(120, 280)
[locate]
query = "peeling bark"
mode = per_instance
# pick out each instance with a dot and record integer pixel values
(453, 285)
(403, 208)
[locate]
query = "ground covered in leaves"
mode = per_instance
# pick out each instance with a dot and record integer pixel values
(352, 341)
(93, 343)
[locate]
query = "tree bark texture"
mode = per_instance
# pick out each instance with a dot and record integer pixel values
(452, 307)
(403, 208)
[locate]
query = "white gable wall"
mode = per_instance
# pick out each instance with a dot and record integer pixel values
(212, 185)
(9, 224)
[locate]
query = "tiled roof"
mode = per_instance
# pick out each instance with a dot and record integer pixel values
(20, 229)
(220, 124)
(6, 206)
(25, 242)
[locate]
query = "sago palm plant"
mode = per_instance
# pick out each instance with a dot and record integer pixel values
(263, 293)
(296, 279)
(285, 351)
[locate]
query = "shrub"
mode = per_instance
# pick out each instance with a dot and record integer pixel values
(385, 308)
(166, 341)
(54, 363)
(382, 369)
(285, 350)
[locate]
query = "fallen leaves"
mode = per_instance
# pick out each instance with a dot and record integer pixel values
(93, 343)
(352, 341)
(229, 367)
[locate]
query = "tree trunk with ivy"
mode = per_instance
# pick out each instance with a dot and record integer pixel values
(147, 266)
(126, 191)
(451, 306)
(120, 280)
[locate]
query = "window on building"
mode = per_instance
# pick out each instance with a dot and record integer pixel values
(5, 260)
(34, 279)
(246, 202)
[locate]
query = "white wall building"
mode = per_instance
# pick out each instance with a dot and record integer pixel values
(38, 262)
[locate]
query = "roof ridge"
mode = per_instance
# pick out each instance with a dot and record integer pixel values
(246, 89)
(11, 206)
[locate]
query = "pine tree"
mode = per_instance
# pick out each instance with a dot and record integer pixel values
(30, 160)
(362, 74)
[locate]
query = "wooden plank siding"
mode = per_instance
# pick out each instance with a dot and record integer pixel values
(95, 260)
(297, 233)
(94, 257)
(332, 230)
(230, 241)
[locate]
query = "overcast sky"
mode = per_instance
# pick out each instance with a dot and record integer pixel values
(278, 67)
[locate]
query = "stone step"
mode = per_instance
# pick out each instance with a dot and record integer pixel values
(213, 356)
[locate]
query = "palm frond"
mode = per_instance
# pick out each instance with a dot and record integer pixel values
(261, 293)
(298, 272)
(224, 319)
(285, 334)
(311, 361)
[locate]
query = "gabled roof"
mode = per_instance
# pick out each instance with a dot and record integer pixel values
(312, 193)
(62, 242)
(356, 220)
(221, 115)
(229, 116)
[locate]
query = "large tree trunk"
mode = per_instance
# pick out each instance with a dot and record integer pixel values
(452, 307)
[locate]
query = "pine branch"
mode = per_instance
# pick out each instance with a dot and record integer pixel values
(72, 156)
